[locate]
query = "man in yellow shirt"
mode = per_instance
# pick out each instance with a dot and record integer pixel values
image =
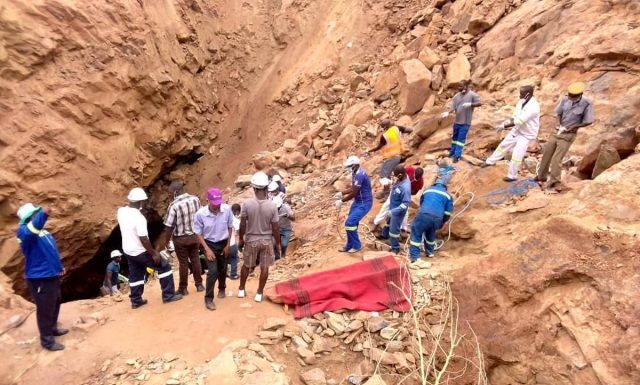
(391, 144)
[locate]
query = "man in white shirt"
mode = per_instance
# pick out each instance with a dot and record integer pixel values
(526, 124)
(140, 252)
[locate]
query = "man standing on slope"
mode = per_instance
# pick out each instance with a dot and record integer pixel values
(42, 269)
(463, 104)
(258, 228)
(140, 252)
(399, 201)
(179, 225)
(213, 225)
(436, 206)
(574, 112)
(526, 124)
(360, 192)
(391, 144)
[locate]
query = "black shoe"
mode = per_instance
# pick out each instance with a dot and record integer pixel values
(199, 288)
(176, 297)
(507, 179)
(483, 165)
(221, 294)
(137, 305)
(456, 160)
(54, 347)
(60, 332)
(182, 292)
(234, 277)
(210, 305)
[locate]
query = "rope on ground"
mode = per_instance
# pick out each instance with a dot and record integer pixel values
(515, 189)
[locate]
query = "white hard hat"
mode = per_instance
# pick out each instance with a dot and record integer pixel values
(351, 161)
(137, 194)
(115, 254)
(25, 211)
(171, 247)
(276, 178)
(259, 180)
(278, 201)
(385, 181)
(273, 186)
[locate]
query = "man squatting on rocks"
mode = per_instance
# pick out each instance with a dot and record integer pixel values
(42, 269)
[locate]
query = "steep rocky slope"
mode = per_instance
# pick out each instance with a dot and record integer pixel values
(100, 97)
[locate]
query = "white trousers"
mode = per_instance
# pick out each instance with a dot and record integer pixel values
(382, 215)
(517, 145)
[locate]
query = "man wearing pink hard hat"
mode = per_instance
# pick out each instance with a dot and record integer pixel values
(213, 224)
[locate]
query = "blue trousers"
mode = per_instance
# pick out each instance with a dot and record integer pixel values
(233, 260)
(458, 140)
(392, 230)
(356, 213)
(285, 235)
(424, 225)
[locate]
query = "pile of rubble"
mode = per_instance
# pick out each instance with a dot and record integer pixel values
(387, 339)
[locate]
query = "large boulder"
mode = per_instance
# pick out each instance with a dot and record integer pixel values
(263, 160)
(607, 157)
(485, 15)
(414, 86)
(624, 141)
(429, 57)
(358, 114)
(459, 69)
(346, 139)
(427, 126)
(386, 85)
(293, 159)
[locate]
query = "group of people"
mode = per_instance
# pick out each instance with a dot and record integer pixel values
(436, 205)
(261, 227)
(573, 112)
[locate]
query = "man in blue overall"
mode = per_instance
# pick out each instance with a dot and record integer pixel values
(399, 201)
(362, 196)
(436, 206)
(43, 269)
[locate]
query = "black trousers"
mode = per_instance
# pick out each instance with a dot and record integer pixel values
(46, 293)
(137, 267)
(216, 270)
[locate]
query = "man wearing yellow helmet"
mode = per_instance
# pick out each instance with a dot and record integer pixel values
(574, 112)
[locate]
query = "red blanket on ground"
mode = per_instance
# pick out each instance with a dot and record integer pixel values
(370, 285)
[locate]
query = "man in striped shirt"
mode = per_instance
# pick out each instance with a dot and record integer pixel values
(179, 225)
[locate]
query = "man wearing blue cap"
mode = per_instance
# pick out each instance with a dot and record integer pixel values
(436, 206)
(43, 269)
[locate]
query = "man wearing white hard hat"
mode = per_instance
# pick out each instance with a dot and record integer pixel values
(362, 196)
(110, 283)
(274, 191)
(258, 229)
(42, 269)
(278, 179)
(140, 252)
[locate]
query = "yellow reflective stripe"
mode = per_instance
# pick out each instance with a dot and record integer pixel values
(500, 150)
(458, 143)
(33, 229)
(518, 120)
(429, 243)
(438, 192)
(351, 228)
(19, 240)
(394, 235)
(516, 161)
(416, 244)
(447, 213)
